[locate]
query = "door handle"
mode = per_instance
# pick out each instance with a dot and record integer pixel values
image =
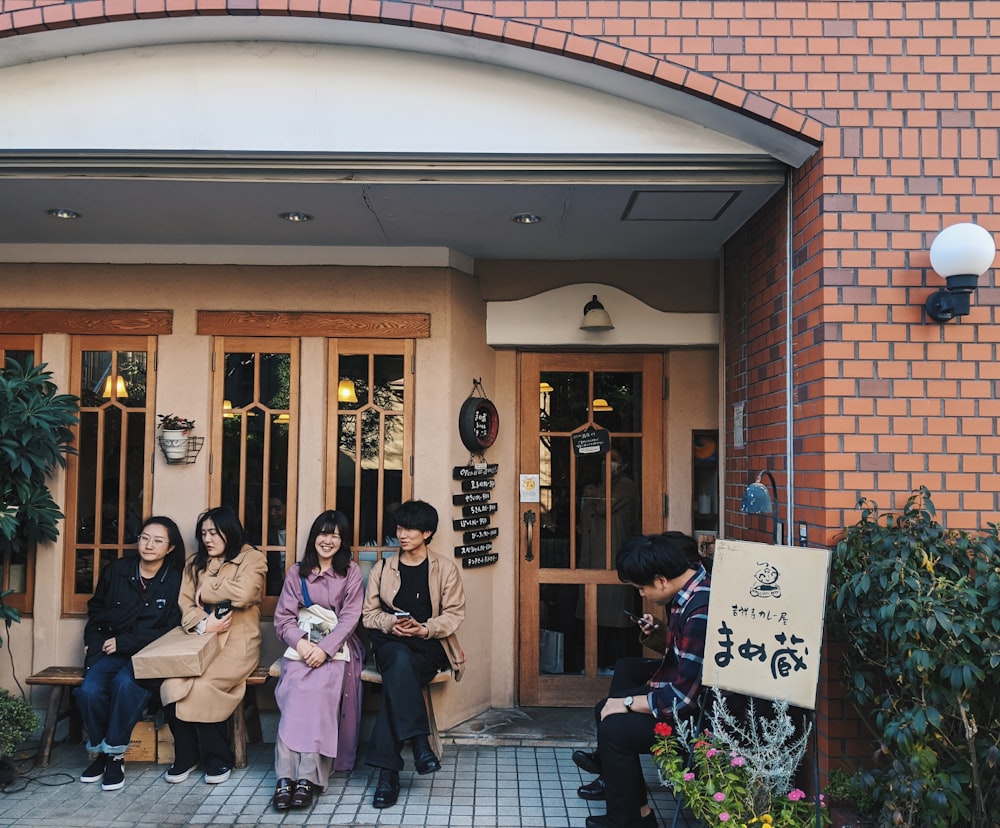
(529, 531)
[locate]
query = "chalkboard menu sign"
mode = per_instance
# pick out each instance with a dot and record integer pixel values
(591, 441)
(477, 510)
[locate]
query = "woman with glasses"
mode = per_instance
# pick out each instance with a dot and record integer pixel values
(319, 692)
(135, 603)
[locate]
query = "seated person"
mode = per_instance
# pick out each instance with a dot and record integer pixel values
(135, 603)
(413, 606)
(645, 691)
(319, 692)
(220, 593)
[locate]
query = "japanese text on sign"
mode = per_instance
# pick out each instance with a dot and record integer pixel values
(765, 620)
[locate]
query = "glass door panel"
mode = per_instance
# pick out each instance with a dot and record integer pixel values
(589, 503)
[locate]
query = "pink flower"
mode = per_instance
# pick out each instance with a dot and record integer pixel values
(724, 817)
(719, 796)
(711, 752)
(796, 795)
(689, 777)
(738, 762)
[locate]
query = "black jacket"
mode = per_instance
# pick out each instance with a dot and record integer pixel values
(121, 610)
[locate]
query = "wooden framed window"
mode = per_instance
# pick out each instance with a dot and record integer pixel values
(368, 464)
(255, 445)
(18, 572)
(109, 480)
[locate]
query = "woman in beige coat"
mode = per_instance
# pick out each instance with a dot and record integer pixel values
(220, 594)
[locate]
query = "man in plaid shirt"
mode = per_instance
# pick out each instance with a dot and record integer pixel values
(665, 570)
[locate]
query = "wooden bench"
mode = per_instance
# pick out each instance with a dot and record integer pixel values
(370, 675)
(245, 717)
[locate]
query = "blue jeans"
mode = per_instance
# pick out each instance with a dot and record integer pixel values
(110, 702)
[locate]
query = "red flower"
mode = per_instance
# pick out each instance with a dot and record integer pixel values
(662, 729)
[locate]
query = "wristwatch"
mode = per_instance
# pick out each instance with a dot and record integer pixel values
(628, 703)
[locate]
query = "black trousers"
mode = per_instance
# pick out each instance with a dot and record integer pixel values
(207, 742)
(622, 739)
(402, 714)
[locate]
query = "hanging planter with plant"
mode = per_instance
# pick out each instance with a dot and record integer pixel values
(175, 440)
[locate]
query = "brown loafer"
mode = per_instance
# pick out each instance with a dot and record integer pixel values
(283, 794)
(303, 796)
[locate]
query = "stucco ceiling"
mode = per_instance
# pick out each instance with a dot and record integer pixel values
(158, 208)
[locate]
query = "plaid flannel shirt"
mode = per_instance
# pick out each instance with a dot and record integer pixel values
(677, 680)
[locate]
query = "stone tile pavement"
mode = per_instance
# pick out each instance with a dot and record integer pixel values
(504, 768)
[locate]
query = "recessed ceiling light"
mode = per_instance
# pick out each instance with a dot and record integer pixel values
(527, 218)
(63, 213)
(295, 215)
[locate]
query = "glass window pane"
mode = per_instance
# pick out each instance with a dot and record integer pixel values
(564, 408)
(389, 382)
(83, 577)
(622, 392)
(130, 388)
(561, 629)
(239, 383)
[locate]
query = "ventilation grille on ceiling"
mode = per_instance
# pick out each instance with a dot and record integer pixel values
(678, 205)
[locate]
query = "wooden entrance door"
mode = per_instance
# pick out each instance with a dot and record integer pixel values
(572, 606)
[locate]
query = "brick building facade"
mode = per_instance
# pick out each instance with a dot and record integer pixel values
(848, 390)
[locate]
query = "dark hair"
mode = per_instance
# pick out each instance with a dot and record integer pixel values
(175, 557)
(643, 557)
(419, 515)
(228, 525)
(328, 522)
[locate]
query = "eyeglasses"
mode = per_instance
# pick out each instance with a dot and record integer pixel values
(149, 539)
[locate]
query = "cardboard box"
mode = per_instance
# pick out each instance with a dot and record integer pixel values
(164, 746)
(176, 655)
(142, 744)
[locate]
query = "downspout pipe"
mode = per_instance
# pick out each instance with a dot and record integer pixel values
(789, 363)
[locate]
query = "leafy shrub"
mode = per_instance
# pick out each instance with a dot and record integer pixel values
(17, 722)
(918, 606)
(35, 436)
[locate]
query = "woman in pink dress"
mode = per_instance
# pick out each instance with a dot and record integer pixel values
(319, 692)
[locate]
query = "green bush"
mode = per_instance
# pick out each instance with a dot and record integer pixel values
(17, 722)
(919, 608)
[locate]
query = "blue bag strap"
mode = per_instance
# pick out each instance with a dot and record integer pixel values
(306, 600)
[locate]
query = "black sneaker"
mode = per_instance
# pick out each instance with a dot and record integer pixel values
(217, 774)
(179, 773)
(114, 774)
(95, 770)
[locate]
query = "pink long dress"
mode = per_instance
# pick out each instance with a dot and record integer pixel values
(321, 707)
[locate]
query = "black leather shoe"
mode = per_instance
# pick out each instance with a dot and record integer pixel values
(588, 761)
(594, 791)
(303, 796)
(423, 757)
(282, 800)
(387, 789)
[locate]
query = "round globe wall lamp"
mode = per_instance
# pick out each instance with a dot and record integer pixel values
(960, 255)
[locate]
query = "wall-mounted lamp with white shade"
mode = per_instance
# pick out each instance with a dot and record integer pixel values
(960, 254)
(595, 317)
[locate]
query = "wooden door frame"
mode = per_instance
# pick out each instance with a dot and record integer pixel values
(653, 488)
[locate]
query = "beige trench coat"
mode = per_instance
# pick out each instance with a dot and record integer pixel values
(214, 695)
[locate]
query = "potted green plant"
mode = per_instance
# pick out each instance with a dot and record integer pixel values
(35, 438)
(174, 435)
(17, 722)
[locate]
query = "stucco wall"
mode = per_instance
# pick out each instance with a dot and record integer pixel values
(445, 364)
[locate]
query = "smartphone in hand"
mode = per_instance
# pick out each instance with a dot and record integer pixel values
(402, 615)
(633, 617)
(223, 608)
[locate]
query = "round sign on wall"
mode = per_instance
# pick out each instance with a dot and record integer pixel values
(478, 424)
